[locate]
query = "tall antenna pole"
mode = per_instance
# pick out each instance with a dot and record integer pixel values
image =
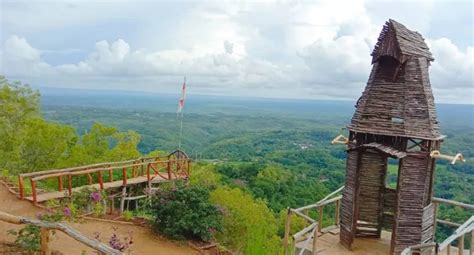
(183, 95)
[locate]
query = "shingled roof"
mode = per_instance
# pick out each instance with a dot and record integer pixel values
(399, 42)
(398, 100)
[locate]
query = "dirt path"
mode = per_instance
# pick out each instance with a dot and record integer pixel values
(145, 242)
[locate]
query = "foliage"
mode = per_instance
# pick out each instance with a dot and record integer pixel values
(249, 226)
(29, 237)
(185, 212)
(127, 215)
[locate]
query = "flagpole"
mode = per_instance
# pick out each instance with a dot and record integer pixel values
(181, 121)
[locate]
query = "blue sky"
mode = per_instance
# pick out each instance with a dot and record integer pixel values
(284, 49)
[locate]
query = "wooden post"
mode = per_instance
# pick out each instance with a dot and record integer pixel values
(448, 249)
(33, 191)
(60, 183)
(21, 187)
(315, 240)
(111, 175)
(287, 231)
(336, 216)
(122, 201)
(471, 247)
(101, 181)
(168, 168)
(89, 179)
(320, 222)
(461, 245)
(148, 172)
(69, 184)
(436, 205)
(124, 176)
(45, 249)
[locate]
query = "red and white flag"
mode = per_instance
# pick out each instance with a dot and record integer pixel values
(182, 98)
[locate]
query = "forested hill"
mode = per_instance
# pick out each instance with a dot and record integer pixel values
(265, 153)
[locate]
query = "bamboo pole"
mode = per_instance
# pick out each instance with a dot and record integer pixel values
(21, 187)
(45, 248)
(287, 231)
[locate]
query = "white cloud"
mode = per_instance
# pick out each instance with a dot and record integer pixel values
(286, 49)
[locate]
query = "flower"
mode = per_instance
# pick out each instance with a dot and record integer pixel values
(95, 196)
(67, 211)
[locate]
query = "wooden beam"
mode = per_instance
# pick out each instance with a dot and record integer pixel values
(336, 216)
(455, 203)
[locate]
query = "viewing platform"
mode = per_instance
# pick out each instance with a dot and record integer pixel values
(103, 176)
(314, 239)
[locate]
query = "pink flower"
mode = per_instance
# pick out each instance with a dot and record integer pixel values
(67, 211)
(95, 196)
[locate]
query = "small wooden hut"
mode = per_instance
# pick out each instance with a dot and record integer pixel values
(395, 118)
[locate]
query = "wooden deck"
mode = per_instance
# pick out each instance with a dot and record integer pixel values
(328, 244)
(42, 197)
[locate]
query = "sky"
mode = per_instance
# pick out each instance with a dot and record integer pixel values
(284, 49)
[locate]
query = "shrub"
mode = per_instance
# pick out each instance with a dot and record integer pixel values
(29, 237)
(185, 213)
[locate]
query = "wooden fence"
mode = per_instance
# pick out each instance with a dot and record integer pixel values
(174, 166)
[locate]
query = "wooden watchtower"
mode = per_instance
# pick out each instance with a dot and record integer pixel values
(395, 118)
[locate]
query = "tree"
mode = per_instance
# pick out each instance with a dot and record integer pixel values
(249, 226)
(19, 103)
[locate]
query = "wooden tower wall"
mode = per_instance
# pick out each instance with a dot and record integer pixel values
(414, 217)
(373, 168)
(349, 199)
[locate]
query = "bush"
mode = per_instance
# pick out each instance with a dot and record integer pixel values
(184, 212)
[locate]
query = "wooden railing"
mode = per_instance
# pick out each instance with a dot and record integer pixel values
(466, 228)
(46, 227)
(175, 165)
(316, 225)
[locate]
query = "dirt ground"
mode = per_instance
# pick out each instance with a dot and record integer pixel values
(145, 242)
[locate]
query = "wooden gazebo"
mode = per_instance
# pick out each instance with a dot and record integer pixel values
(395, 118)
